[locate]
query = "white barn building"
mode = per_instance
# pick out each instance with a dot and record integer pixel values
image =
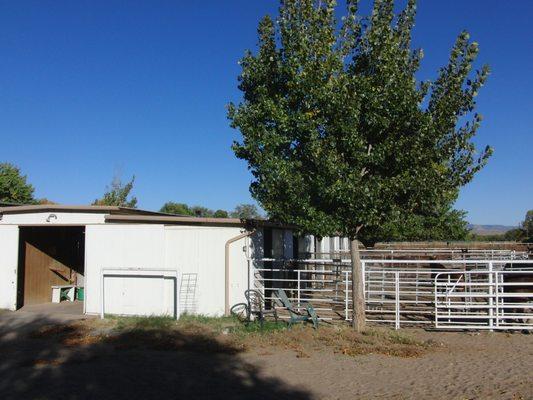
(134, 262)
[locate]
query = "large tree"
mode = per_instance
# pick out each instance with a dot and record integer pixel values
(14, 187)
(338, 133)
(118, 194)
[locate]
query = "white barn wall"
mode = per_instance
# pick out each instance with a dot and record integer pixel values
(9, 245)
(198, 253)
(192, 251)
(306, 244)
(62, 218)
(119, 246)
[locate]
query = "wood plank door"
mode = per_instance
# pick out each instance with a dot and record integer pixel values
(41, 272)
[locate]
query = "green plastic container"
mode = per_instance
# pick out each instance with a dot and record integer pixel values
(63, 294)
(80, 294)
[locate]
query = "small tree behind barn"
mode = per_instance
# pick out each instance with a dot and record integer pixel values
(338, 133)
(118, 194)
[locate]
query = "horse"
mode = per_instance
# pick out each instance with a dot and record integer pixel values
(525, 279)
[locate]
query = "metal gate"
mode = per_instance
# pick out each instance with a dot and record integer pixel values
(484, 300)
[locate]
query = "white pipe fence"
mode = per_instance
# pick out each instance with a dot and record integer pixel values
(463, 294)
(413, 254)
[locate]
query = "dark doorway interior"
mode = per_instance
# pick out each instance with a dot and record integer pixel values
(49, 256)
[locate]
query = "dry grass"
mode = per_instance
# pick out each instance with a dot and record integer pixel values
(70, 335)
(342, 340)
(44, 363)
(227, 335)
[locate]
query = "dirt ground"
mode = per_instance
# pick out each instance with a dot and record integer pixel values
(57, 362)
(464, 366)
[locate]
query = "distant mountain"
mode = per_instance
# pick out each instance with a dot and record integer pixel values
(490, 229)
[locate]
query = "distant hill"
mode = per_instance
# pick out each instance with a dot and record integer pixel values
(490, 229)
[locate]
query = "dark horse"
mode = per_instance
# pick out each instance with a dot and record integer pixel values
(525, 278)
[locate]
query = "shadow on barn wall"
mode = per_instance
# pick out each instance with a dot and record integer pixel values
(189, 367)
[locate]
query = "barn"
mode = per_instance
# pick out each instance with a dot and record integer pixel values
(131, 262)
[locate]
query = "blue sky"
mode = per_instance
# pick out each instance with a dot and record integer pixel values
(92, 88)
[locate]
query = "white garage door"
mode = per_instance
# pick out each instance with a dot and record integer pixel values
(134, 293)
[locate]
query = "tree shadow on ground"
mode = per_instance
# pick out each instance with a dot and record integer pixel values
(64, 363)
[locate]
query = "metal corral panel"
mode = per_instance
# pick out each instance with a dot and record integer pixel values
(198, 253)
(9, 238)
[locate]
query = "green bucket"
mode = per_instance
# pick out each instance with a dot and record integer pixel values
(80, 294)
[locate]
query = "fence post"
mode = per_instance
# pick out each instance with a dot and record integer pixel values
(397, 298)
(435, 290)
(496, 293)
(346, 286)
(363, 267)
(491, 297)
(416, 287)
(298, 289)
(448, 301)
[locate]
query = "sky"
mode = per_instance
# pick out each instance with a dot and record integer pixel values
(91, 89)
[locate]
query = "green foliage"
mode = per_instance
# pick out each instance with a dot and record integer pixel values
(446, 225)
(221, 214)
(527, 226)
(246, 211)
(176, 208)
(515, 235)
(117, 194)
(13, 186)
(243, 211)
(338, 133)
(203, 212)
(476, 237)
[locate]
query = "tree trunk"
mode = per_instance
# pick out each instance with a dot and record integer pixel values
(358, 294)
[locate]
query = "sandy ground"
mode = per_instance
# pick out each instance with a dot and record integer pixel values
(462, 366)
(468, 366)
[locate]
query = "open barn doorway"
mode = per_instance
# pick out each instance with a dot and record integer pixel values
(51, 266)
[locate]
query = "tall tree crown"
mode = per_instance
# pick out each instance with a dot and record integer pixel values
(338, 133)
(14, 187)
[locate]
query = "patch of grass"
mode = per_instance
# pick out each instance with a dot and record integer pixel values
(228, 335)
(267, 327)
(400, 338)
(152, 322)
(228, 325)
(214, 324)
